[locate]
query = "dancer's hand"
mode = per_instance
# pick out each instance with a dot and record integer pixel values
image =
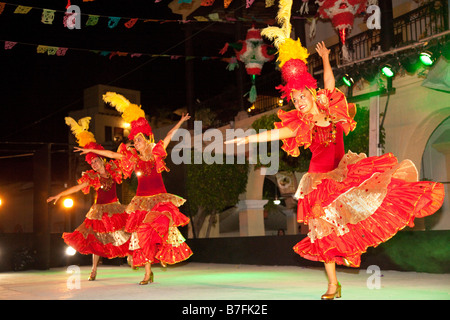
(55, 199)
(167, 139)
(185, 117)
(80, 150)
(322, 50)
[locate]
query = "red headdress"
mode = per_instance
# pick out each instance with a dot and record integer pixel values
(131, 113)
(85, 139)
(296, 76)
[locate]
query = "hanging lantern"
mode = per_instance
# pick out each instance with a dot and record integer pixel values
(253, 52)
(342, 15)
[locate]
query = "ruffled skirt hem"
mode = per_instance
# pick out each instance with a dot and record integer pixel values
(101, 233)
(89, 244)
(376, 198)
(155, 236)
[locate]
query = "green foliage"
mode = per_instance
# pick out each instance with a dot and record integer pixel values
(214, 187)
(358, 140)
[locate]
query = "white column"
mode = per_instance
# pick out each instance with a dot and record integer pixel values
(251, 217)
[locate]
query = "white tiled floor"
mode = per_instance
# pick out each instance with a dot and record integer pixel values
(202, 281)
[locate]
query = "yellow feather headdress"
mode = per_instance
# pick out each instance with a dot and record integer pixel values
(287, 48)
(80, 130)
(292, 56)
(129, 111)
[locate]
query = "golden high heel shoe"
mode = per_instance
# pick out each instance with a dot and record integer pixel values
(150, 279)
(92, 276)
(346, 262)
(336, 294)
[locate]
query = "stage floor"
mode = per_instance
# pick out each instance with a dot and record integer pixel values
(202, 281)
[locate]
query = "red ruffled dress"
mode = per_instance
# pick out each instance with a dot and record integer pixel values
(102, 232)
(153, 213)
(350, 201)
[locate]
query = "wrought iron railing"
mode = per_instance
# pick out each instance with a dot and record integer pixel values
(427, 20)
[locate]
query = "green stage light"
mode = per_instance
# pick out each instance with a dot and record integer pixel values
(426, 57)
(348, 80)
(387, 71)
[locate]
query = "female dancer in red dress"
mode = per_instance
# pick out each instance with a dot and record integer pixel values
(102, 232)
(350, 202)
(153, 213)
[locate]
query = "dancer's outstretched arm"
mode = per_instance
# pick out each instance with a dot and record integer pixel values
(103, 153)
(270, 135)
(71, 190)
(184, 117)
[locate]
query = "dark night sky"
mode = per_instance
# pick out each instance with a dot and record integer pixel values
(38, 90)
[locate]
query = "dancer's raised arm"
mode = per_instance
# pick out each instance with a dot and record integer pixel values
(71, 190)
(328, 76)
(184, 117)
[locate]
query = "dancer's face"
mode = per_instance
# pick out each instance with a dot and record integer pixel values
(97, 164)
(139, 143)
(303, 100)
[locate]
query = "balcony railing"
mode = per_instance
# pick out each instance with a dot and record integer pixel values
(411, 27)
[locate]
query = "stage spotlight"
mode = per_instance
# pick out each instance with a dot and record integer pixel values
(387, 70)
(68, 203)
(427, 58)
(348, 80)
(70, 251)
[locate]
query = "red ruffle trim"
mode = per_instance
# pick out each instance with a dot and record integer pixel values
(160, 154)
(171, 255)
(91, 245)
(93, 178)
(298, 124)
(138, 217)
(107, 224)
(332, 103)
(154, 246)
(403, 203)
(130, 158)
(152, 230)
(150, 237)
